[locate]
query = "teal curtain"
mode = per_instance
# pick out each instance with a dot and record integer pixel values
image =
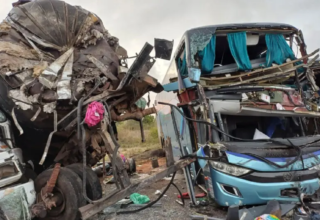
(208, 55)
(278, 50)
(238, 47)
(182, 65)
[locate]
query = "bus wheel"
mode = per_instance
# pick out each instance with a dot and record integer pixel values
(67, 195)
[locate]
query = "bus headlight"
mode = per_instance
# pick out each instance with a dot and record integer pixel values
(229, 169)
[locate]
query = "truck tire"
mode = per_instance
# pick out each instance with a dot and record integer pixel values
(93, 185)
(69, 186)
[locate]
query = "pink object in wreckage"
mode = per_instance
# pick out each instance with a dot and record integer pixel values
(94, 114)
(123, 157)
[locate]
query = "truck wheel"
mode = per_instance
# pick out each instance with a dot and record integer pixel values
(93, 185)
(68, 189)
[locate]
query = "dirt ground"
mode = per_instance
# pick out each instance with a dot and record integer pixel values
(169, 208)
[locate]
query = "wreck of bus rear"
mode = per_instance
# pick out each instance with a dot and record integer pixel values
(246, 97)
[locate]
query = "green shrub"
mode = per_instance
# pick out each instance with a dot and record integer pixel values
(154, 133)
(148, 120)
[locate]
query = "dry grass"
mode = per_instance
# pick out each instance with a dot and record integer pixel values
(130, 138)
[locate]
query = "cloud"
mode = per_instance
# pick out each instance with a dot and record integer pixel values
(135, 22)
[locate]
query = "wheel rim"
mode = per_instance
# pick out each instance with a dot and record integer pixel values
(55, 211)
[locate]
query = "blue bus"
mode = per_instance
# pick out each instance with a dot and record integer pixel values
(243, 99)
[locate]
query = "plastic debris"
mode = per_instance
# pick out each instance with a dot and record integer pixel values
(200, 153)
(158, 192)
(139, 199)
(186, 195)
(123, 157)
(94, 113)
(301, 210)
(267, 217)
(259, 135)
(141, 103)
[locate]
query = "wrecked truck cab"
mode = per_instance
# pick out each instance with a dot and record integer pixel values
(64, 82)
(239, 95)
(49, 65)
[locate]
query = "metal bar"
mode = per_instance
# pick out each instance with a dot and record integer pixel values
(143, 139)
(46, 149)
(316, 125)
(189, 180)
(122, 176)
(104, 167)
(301, 127)
(92, 209)
(182, 150)
(220, 122)
(215, 135)
(225, 124)
(175, 127)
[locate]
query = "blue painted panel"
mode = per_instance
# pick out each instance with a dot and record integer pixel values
(194, 74)
(165, 120)
(309, 160)
(253, 193)
(175, 85)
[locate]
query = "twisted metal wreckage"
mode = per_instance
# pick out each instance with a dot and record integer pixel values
(55, 60)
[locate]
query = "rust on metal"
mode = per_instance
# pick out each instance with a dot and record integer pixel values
(53, 178)
(138, 115)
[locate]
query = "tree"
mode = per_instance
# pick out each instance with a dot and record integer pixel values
(149, 119)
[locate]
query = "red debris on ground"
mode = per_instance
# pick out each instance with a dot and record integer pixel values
(146, 167)
(186, 195)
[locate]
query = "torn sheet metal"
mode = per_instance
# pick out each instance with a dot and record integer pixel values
(63, 86)
(14, 118)
(38, 69)
(91, 38)
(163, 48)
(13, 63)
(60, 31)
(225, 106)
(50, 107)
(17, 50)
(21, 100)
(311, 77)
(102, 68)
(50, 74)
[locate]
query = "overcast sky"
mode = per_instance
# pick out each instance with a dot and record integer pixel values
(136, 21)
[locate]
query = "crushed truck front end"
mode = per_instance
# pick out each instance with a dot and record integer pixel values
(245, 96)
(17, 190)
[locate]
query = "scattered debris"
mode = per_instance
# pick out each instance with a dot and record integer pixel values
(136, 198)
(186, 195)
(267, 217)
